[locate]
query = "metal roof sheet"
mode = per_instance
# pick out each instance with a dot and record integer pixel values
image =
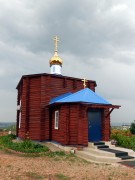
(85, 95)
(53, 100)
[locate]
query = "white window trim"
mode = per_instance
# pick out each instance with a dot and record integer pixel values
(56, 122)
(20, 119)
(20, 115)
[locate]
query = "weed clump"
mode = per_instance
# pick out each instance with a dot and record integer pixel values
(26, 146)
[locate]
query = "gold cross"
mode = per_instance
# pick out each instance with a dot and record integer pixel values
(84, 82)
(56, 43)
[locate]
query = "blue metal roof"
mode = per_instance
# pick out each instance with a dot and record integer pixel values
(85, 95)
(53, 100)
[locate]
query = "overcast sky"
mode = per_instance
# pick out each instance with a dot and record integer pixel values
(97, 41)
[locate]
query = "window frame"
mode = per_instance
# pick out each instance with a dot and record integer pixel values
(56, 120)
(20, 118)
(20, 114)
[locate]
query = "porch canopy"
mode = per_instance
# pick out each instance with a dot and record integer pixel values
(85, 96)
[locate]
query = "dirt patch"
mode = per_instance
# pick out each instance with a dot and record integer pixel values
(16, 167)
(3, 133)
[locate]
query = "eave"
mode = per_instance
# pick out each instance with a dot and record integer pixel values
(51, 75)
(89, 105)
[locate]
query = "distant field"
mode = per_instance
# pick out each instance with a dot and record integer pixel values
(6, 124)
(5, 127)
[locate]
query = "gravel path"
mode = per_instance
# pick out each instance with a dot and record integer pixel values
(16, 167)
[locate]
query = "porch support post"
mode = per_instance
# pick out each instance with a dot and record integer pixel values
(109, 112)
(105, 125)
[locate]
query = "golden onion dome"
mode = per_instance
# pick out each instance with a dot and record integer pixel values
(55, 59)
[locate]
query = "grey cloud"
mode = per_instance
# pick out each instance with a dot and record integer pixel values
(96, 42)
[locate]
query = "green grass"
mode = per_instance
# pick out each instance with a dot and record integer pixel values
(34, 175)
(30, 148)
(26, 146)
(56, 153)
(60, 176)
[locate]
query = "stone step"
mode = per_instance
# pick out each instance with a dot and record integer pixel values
(129, 151)
(94, 157)
(99, 143)
(91, 145)
(101, 155)
(102, 146)
(126, 157)
(120, 154)
(98, 152)
(116, 152)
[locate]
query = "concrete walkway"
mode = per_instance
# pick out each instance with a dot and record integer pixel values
(93, 153)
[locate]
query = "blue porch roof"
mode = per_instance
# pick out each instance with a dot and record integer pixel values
(85, 96)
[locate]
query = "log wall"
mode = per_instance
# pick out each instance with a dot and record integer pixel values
(72, 125)
(36, 92)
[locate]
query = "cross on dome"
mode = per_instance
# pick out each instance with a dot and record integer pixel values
(56, 40)
(55, 61)
(84, 82)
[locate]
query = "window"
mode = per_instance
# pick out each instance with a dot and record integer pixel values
(20, 115)
(19, 120)
(56, 123)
